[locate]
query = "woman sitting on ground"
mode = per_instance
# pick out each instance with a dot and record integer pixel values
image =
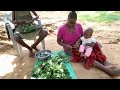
(69, 36)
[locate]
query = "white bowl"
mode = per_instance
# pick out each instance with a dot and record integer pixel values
(40, 53)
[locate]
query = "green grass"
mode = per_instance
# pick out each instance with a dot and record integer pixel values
(99, 16)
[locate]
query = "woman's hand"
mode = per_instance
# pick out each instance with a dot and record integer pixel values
(69, 47)
(76, 45)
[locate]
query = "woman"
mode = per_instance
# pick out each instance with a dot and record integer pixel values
(69, 36)
(23, 19)
(70, 33)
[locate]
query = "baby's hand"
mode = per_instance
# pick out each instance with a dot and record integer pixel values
(82, 55)
(89, 44)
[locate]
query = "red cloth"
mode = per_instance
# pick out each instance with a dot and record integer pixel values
(95, 55)
(76, 56)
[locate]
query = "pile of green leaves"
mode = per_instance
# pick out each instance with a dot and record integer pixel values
(28, 28)
(52, 69)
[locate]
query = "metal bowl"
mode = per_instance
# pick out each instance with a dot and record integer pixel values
(43, 55)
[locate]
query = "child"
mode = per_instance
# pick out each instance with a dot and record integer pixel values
(87, 43)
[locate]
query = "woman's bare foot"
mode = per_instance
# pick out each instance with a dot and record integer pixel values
(115, 73)
(109, 65)
(113, 66)
(34, 47)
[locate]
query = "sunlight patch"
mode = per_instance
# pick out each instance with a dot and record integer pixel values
(6, 64)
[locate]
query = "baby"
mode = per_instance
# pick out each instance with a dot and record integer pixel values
(87, 43)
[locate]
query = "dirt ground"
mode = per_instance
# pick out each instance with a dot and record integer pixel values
(108, 34)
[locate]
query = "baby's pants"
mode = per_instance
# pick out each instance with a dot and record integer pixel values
(87, 49)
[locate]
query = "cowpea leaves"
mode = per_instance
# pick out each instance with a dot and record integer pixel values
(52, 69)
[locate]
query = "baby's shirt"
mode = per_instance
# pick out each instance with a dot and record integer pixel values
(89, 40)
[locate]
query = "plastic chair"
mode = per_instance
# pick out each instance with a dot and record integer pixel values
(10, 27)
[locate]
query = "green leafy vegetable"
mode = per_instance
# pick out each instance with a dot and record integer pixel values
(28, 28)
(52, 69)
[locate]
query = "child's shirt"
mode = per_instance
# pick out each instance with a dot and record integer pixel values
(89, 40)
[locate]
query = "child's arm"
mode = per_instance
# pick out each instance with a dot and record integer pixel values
(90, 44)
(78, 43)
